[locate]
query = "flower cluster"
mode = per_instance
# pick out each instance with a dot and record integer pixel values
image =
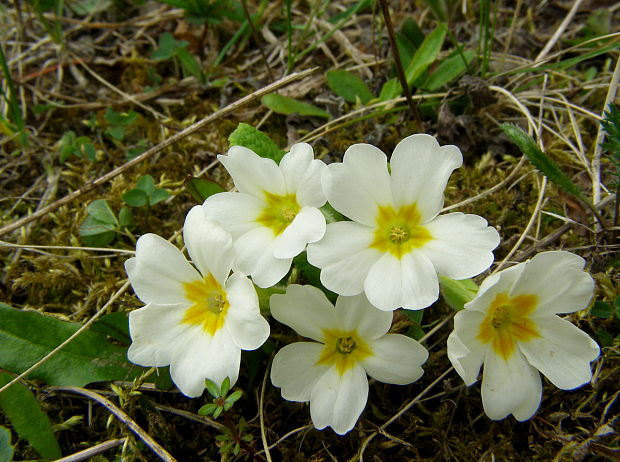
(387, 254)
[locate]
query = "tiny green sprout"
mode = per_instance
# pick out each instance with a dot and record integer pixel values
(102, 225)
(169, 48)
(221, 402)
(145, 193)
(118, 122)
(79, 146)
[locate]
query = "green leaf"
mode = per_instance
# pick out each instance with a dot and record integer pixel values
(449, 69)
(217, 412)
(190, 66)
(457, 293)
(120, 119)
(207, 409)
(249, 137)
(285, 105)
(118, 133)
(422, 59)
(415, 316)
(125, 218)
(66, 146)
(412, 32)
(225, 387)
(331, 214)
(617, 306)
(91, 226)
(85, 7)
(165, 47)
(135, 198)
(601, 310)
(539, 159)
(101, 210)
(27, 336)
(6, 448)
(234, 396)
(200, 188)
(349, 86)
(146, 183)
(23, 411)
(98, 240)
(212, 388)
(159, 195)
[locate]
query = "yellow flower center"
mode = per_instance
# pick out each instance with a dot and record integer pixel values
(279, 211)
(344, 349)
(507, 321)
(399, 231)
(209, 304)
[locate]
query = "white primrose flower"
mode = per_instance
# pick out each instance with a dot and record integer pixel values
(275, 213)
(353, 342)
(195, 321)
(512, 327)
(397, 244)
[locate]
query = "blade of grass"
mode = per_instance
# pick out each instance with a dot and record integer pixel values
(10, 96)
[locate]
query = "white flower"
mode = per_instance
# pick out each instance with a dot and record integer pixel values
(197, 322)
(274, 214)
(332, 374)
(396, 243)
(512, 327)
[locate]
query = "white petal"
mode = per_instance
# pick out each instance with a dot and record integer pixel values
(209, 246)
(308, 226)
(420, 171)
(510, 387)
(295, 370)
(305, 309)
(409, 282)
(462, 245)
(497, 283)
(154, 330)
(200, 356)
(338, 400)
(465, 351)
(356, 313)
(344, 256)
(253, 174)
(255, 257)
(562, 353)
(247, 328)
(235, 212)
(396, 359)
(558, 280)
(158, 271)
(302, 175)
(359, 184)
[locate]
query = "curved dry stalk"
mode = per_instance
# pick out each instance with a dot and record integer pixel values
(65, 247)
(93, 451)
(559, 31)
(405, 408)
(120, 415)
(261, 403)
(288, 435)
(158, 148)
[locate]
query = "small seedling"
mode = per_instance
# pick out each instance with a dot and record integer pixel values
(221, 401)
(145, 193)
(101, 225)
(169, 48)
(79, 146)
(118, 122)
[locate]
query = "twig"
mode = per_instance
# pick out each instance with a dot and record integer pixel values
(64, 247)
(559, 31)
(261, 415)
(155, 149)
(404, 409)
(124, 418)
(93, 451)
(399, 64)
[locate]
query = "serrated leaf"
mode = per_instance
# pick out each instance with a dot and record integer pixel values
(457, 293)
(6, 448)
(349, 86)
(449, 69)
(31, 424)
(135, 198)
(285, 105)
(27, 336)
(101, 210)
(200, 188)
(424, 56)
(540, 160)
(158, 195)
(249, 137)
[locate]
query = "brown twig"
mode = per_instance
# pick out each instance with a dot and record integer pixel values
(120, 415)
(399, 64)
(156, 149)
(93, 451)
